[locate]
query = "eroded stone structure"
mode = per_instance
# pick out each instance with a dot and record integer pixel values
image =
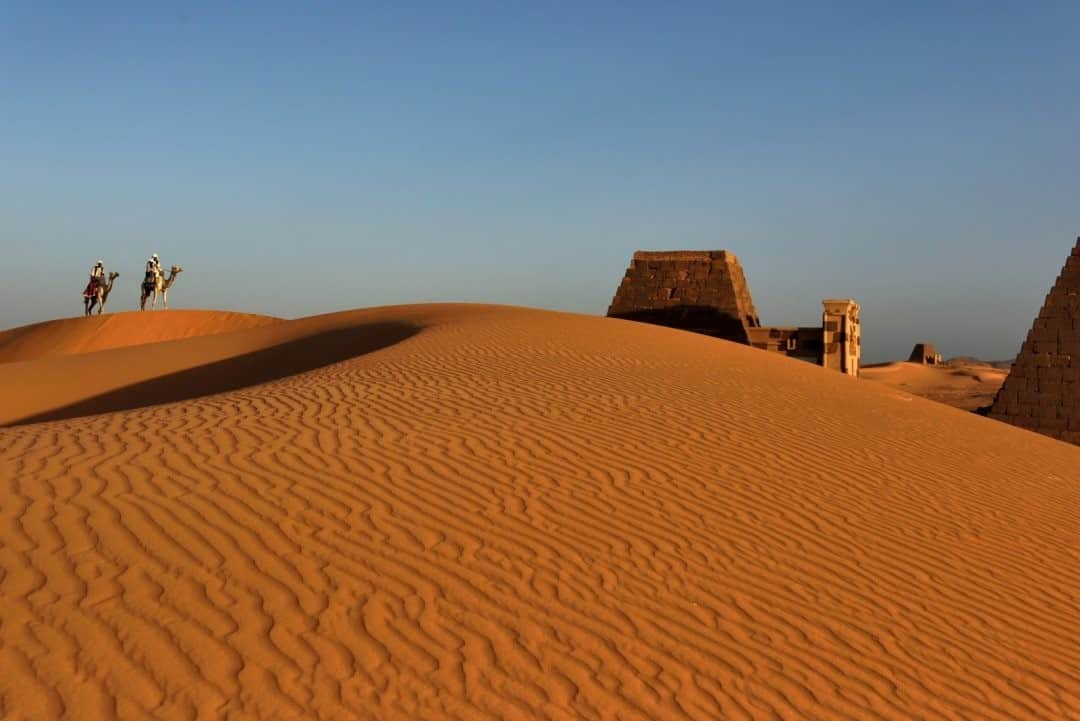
(1042, 391)
(698, 290)
(841, 336)
(926, 354)
(705, 291)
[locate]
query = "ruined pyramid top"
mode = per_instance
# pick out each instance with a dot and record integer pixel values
(700, 290)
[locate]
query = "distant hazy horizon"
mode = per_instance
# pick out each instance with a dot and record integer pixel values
(920, 160)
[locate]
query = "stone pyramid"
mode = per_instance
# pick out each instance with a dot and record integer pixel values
(924, 353)
(1042, 391)
(704, 291)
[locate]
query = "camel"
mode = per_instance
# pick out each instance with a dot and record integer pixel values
(102, 295)
(161, 286)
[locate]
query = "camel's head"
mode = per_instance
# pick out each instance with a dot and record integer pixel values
(113, 275)
(176, 269)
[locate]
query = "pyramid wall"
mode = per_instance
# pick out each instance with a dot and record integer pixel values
(924, 353)
(704, 291)
(1042, 391)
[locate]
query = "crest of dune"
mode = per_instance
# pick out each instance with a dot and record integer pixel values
(484, 512)
(72, 336)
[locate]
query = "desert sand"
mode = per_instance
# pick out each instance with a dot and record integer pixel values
(101, 332)
(965, 384)
(482, 512)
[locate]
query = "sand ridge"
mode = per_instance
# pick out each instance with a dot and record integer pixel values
(69, 336)
(518, 514)
(67, 386)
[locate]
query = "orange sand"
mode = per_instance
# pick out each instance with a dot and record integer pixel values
(962, 384)
(113, 330)
(500, 513)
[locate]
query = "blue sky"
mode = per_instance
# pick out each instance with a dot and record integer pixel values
(923, 160)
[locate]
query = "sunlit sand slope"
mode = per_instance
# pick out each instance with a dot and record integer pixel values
(516, 514)
(966, 385)
(114, 330)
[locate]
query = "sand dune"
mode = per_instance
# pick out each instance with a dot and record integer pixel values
(962, 384)
(495, 513)
(115, 330)
(139, 375)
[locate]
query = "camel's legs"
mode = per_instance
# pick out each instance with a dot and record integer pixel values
(165, 299)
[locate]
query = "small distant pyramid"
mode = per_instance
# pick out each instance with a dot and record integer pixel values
(925, 353)
(1042, 391)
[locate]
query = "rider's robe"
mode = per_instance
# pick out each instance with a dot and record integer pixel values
(97, 274)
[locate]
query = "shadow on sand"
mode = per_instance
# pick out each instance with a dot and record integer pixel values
(287, 359)
(696, 318)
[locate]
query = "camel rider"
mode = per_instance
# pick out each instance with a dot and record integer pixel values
(153, 271)
(97, 275)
